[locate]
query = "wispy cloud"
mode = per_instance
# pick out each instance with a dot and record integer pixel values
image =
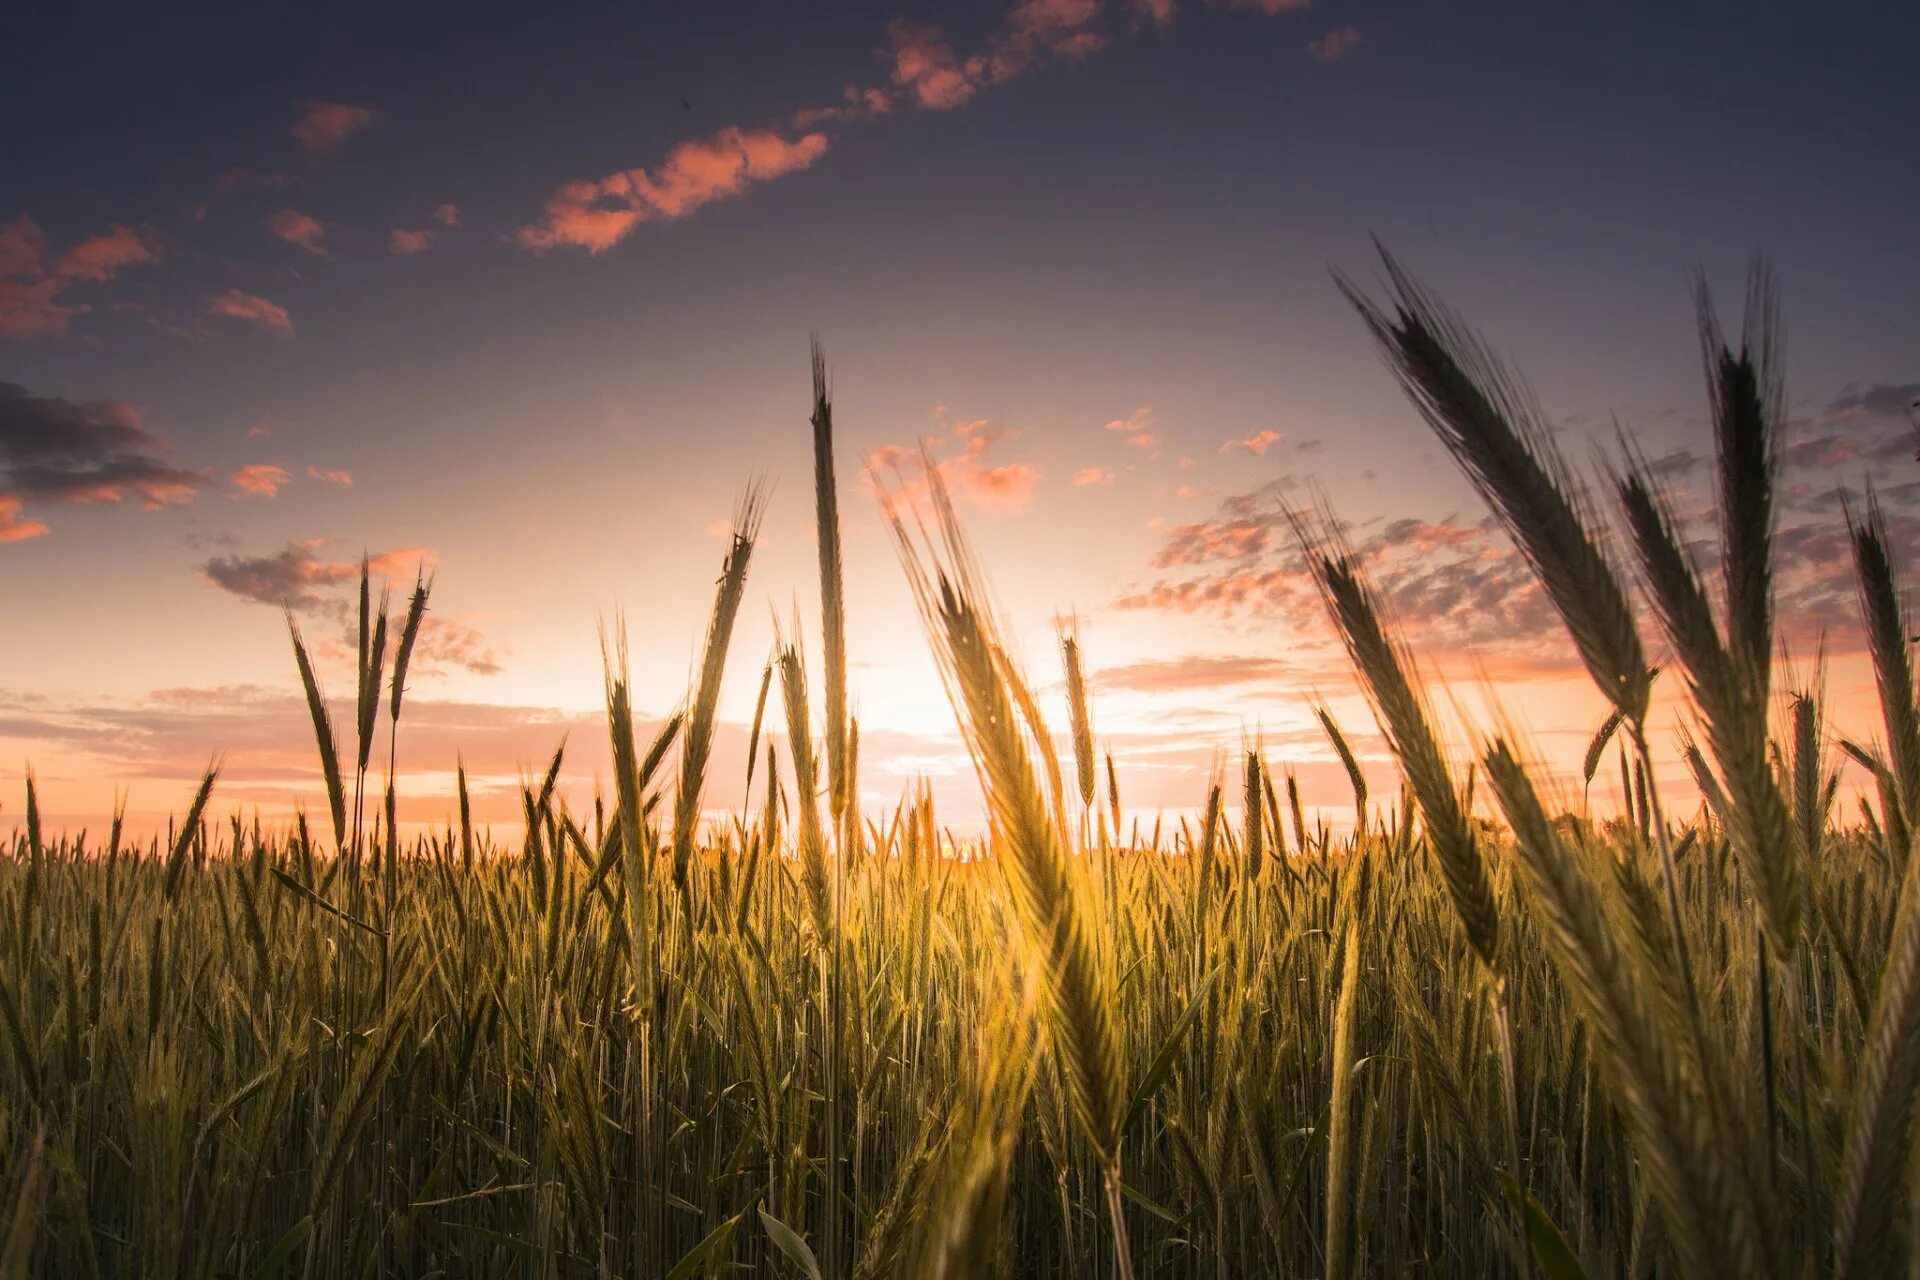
(401, 241)
(1137, 428)
(31, 289)
(329, 477)
(300, 230)
(1087, 477)
(253, 309)
(325, 126)
(260, 480)
(596, 216)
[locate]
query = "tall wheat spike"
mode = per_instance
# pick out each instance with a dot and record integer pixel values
(833, 606)
(1079, 721)
(953, 602)
(696, 738)
(1745, 396)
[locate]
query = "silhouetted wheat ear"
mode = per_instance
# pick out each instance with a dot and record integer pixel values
(1886, 627)
(1722, 686)
(1494, 429)
(1888, 1076)
(1714, 1231)
(1387, 671)
(409, 634)
(833, 608)
(696, 739)
(1745, 392)
(323, 735)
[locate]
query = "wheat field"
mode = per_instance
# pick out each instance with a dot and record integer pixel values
(1478, 1035)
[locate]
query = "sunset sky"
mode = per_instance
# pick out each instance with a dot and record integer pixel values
(525, 293)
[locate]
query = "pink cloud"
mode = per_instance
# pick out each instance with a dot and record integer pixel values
(598, 215)
(409, 241)
(1087, 477)
(329, 477)
(1336, 44)
(30, 309)
(972, 474)
(299, 230)
(925, 65)
(1272, 8)
(447, 215)
(261, 479)
(259, 431)
(253, 309)
(1256, 444)
(324, 126)
(101, 257)
(1137, 427)
(30, 304)
(12, 527)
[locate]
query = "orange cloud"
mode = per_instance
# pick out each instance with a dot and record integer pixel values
(101, 257)
(30, 305)
(409, 241)
(926, 67)
(253, 309)
(1336, 44)
(447, 215)
(261, 479)
(1256, 444)
(324, 126)
(598, 215)
(329, 477)
(1137, 427)
(298, 230)
(12, 527)
(1086, 477)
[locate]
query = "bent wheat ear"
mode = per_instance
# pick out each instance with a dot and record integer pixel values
(1386, 670)
(1494, 428)
(952, 599)
(1352, 766)
(696, 739)
(323, 734)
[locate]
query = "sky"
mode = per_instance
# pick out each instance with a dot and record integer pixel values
(524, 295)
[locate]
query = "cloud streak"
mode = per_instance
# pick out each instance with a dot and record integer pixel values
(53, 450)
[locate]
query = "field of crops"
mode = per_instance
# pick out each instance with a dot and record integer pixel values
(1478, 1036)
